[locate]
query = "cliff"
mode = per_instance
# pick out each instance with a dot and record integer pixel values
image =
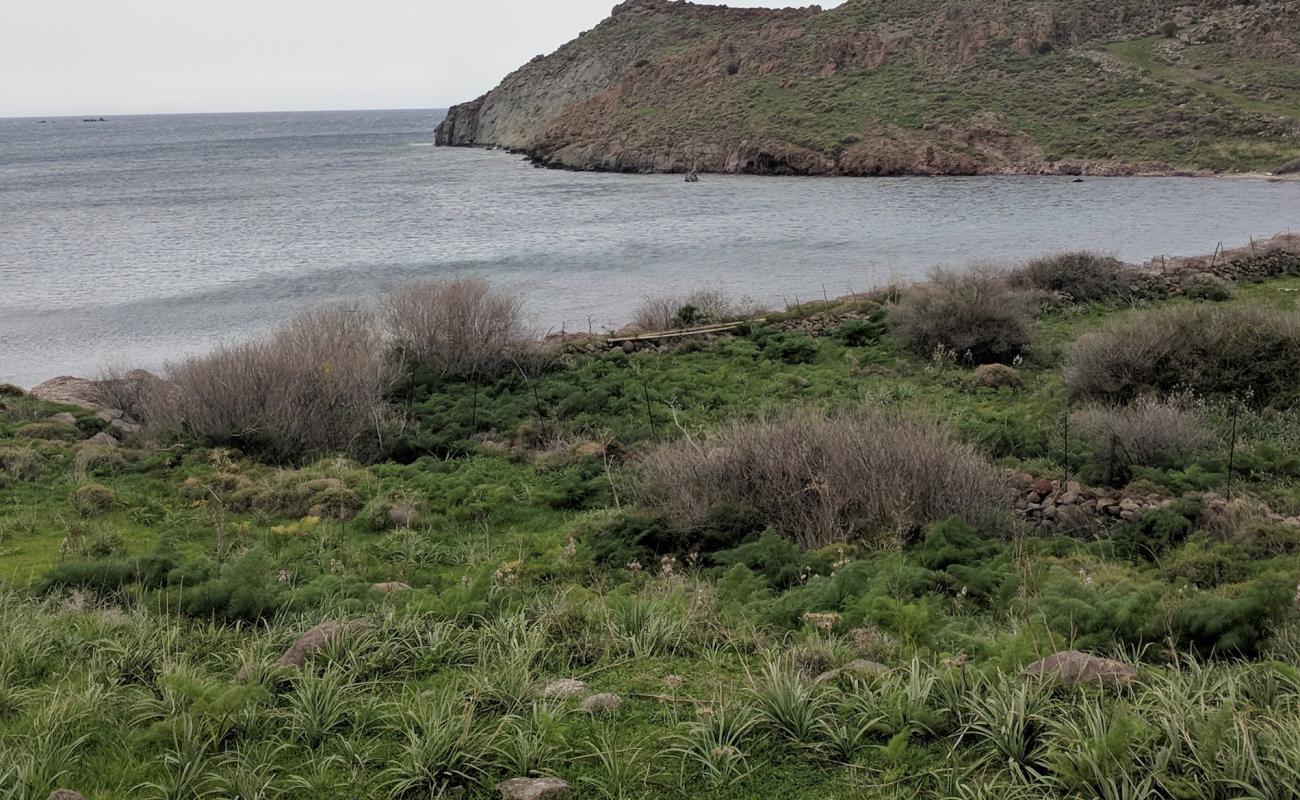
(876, 87)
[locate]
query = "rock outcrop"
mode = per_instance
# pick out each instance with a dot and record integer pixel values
(1072, 668)
(865, 88)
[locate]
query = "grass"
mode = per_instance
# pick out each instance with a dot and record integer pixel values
(729, 659)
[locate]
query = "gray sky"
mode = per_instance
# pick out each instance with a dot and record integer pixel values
(81, 57)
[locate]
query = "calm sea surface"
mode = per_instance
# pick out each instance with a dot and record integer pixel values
(139, 239)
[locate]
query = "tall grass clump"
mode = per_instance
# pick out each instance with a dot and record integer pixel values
(975, 316)
(1081, 277)
(822, 479)
(1248, 353)
(461, 328)
(316, 385)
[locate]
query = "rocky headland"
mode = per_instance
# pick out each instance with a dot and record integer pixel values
(886, 87)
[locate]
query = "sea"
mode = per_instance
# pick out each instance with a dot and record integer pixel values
(138, 240)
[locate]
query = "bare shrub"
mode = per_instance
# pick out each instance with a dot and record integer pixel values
(975, 316)
(131, 391)
(462, 328)
(1151, 432)
(823, 479)
(700, 307)
(1082, 276)
(316, 385)
(1241, 351)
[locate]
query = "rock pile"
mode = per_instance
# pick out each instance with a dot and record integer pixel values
(1052, 502)
(1044, 500)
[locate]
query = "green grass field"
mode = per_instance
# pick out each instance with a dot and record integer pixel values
(140, 623)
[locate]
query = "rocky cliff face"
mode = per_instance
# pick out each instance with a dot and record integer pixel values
(877, 87)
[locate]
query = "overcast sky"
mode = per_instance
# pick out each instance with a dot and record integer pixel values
(81, 57)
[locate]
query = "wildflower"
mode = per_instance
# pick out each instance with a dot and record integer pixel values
(507, 573)
(634, 566)
(336, 567)
(284, 576)
(673, 681)
(667, 565)
(570, 548)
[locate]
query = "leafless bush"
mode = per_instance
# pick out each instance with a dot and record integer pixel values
(973, 315)
(1150, 432)
(700, 307)
(1245, 352)
(462, 328)
(823, 479)
(316, 385)
(1082, 276)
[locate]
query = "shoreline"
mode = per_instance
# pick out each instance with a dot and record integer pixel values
(1166, 271)
(1089, 170)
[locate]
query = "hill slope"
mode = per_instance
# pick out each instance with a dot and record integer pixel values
(909, 87)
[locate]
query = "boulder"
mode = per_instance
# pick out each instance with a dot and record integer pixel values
(564, 689)
(103, 439)
(1072, 668)
(307, 646)
(864, 666)
(63, 418)
(391, 586)
(67, 390)
(603, 703)
(65, 794)
(533, 789)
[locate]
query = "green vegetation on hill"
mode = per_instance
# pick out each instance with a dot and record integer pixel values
(529, 523)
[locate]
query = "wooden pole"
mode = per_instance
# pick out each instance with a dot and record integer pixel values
(1232, 450)
(649, 412)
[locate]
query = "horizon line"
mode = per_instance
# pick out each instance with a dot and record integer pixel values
(107, 115)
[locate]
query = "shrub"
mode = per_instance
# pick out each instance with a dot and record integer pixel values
(1246, 352)
(92, 499)
(19, 463)
(822, 479)
(996, 376)
(974, 316)
(1082, 277)
(9, 390)
(1204, 286)
(316, 385)
(462, 328)
(861, 332)
(110, 574)
(1149, 432)
(700, 307)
